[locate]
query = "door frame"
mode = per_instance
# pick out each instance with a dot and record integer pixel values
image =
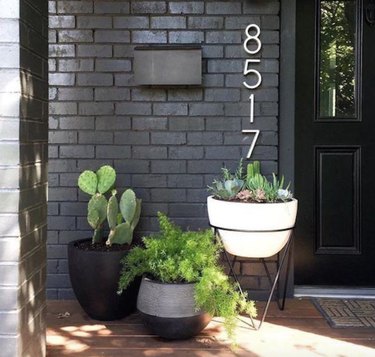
(287, 121)
(287, 88)
(287, 101)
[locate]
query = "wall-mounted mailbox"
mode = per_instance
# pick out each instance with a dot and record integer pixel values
(168, 65)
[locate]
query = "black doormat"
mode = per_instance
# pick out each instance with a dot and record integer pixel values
(342, 313)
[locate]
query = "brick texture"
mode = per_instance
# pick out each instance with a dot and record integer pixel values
(23, 174)
(167, 143)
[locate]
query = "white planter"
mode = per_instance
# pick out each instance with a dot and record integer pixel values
(271, 224)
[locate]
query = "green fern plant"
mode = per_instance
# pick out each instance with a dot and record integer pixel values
(176, 256)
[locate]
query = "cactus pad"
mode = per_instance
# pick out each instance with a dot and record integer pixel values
(106, 178)
(88, 182)
(128, 205)
(112, 212)
(137, 215)
(99, 204)
(121, 235)
(93, 218)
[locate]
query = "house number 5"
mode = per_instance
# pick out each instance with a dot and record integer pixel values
(252, 39)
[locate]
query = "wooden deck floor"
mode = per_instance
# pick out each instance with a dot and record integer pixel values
(298, 331)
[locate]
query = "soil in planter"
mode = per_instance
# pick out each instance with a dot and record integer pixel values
(250, 201)
(101, 247)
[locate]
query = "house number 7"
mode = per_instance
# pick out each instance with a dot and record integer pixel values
(252, 39)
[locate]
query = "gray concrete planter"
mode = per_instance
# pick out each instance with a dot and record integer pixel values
(168, 310)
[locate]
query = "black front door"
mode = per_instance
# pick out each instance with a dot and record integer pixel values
(335, 143)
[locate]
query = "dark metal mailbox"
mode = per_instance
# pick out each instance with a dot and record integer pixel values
(168, 65)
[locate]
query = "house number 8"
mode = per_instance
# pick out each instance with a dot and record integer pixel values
(252, 38)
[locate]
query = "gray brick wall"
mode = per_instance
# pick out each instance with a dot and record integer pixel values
(168, 143)
(23, 176)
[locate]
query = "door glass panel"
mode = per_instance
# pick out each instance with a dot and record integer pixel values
(337, 60)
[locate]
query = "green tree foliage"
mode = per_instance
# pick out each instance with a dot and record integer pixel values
(337, 58)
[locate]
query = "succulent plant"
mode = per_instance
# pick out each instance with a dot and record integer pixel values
(229, 186)
(226, 189)
(99, 209)
(284, 194)
(96, 185)
(253, 188)
(253, 169)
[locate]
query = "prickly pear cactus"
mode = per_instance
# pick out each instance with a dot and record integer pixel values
(99, 209)
(88, 182)
(106, 178)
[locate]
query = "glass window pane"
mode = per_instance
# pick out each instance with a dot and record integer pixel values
(337, 89)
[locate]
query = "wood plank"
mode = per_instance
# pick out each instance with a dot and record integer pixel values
(198, 342)
(165, 352)
(299, 330)
(98, 329)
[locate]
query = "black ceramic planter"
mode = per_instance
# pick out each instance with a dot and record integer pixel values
(168, 310)
(94, 276)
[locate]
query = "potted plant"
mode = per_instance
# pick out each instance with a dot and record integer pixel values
(183, 285)
(94, 264)
(254, 216)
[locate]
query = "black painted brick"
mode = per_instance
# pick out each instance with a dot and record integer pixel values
(168, 166)
(74, 7)
(186, 7)
(148, 7)
(168, 142)
(168, 195)
(149, 123)
(111, 7)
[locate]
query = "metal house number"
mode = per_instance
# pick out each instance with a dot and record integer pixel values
(252, 39)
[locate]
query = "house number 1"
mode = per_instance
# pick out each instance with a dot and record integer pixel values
(252, 39)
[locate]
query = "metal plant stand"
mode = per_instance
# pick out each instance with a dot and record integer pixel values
(280, 262)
